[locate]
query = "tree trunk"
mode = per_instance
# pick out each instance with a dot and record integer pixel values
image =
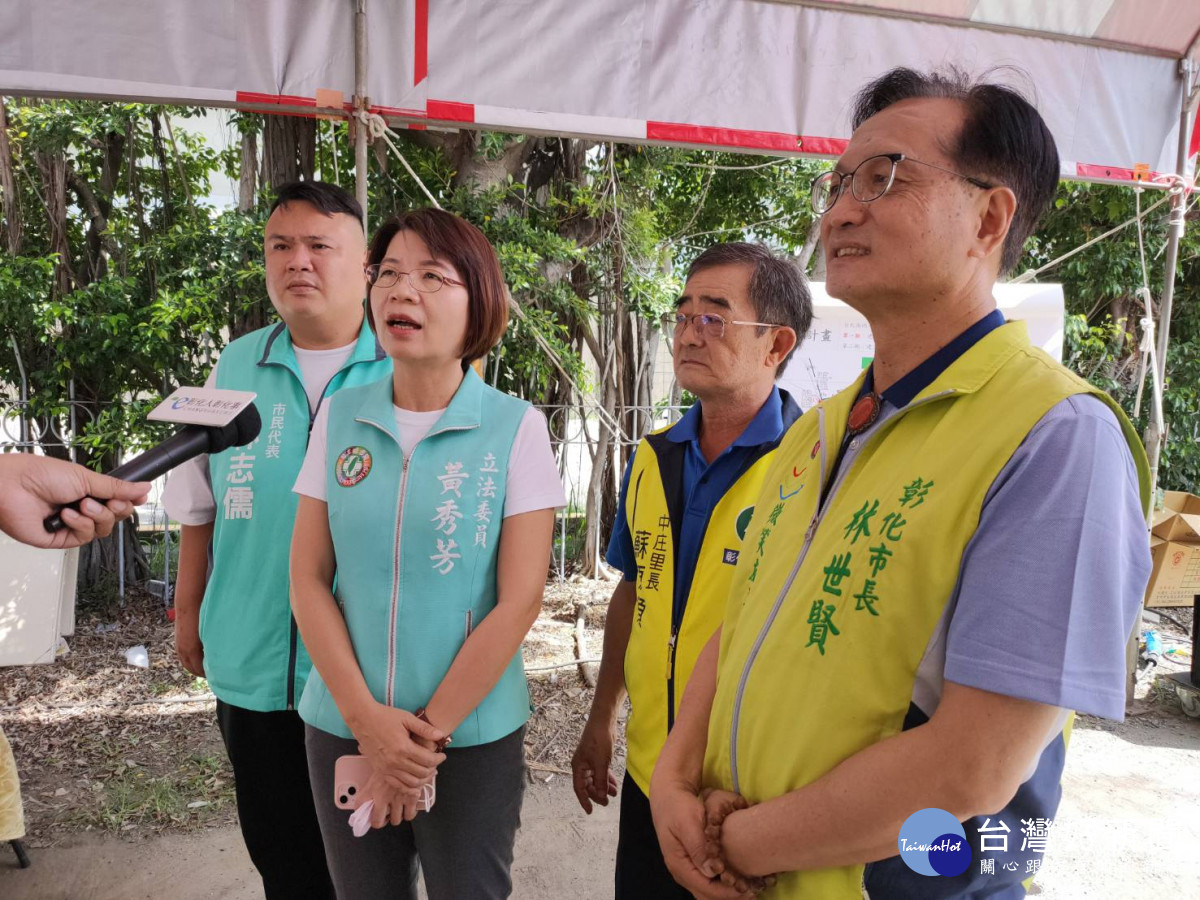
(53, 167)
(593, 549)
(607, 351)
(1121, 310)
(811, 242)
(474, 170)
(289, 150)
(135, 187)
(818, 269)
(248, 182)
(647, 335)
(99, 563)
(675, 400)
(101, 555)
(164, 172)
(98, 237)
(250, 317)
(110, 168)
(11, 208)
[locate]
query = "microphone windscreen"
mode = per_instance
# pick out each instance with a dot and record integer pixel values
(241, 431)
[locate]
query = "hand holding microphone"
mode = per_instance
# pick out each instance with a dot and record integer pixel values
(184, 444)
(31, 487)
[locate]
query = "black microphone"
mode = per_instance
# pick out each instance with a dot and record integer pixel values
(188, 442)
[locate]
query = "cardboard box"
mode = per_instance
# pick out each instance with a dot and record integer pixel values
(1175, 548)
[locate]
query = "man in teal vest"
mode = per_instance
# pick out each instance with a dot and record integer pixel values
(233, 620)
(949, 555)
(685, 502)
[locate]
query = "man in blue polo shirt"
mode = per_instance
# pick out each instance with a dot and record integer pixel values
(686, 499)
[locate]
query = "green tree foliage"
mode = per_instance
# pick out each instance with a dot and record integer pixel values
(1105, 308)
(122, 278)
(118, 279)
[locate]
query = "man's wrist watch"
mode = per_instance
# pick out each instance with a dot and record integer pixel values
(441, 745)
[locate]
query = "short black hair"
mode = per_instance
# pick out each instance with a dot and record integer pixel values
(1004, 139)
(778, 289)
(328, 198)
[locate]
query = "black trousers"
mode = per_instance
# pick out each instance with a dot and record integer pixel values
(641, 872)
(275, 801)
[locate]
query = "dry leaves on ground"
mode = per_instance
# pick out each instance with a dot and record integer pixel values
(103, 745)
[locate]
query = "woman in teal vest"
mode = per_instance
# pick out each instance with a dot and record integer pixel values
(431, 496)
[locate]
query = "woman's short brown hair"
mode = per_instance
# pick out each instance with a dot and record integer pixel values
(458, 242)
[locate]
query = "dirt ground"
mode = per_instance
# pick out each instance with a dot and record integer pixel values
(560, 853)
(128, 795)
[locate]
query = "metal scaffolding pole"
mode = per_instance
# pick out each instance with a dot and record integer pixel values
(360, 106)
(1154, 439)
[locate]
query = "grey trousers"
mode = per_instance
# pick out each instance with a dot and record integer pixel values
(464, 845)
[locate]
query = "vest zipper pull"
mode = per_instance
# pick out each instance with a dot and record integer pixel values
(812, 527)
(671, 653)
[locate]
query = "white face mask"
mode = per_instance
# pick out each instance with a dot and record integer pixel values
(360, 819)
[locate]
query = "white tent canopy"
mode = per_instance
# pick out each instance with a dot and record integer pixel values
(743, 74)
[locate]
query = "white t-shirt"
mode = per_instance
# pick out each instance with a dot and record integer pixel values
(317, 368)
(532, 481)
(188, 495)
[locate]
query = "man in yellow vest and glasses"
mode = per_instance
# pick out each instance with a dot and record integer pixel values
(945, 559)
(685, 502)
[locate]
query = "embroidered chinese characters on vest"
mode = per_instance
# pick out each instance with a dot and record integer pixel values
(480, 487)
(664, 643)
(253, 656)
(828, 623)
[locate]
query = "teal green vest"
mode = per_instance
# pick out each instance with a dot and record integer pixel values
(252, 654)
(416, 541)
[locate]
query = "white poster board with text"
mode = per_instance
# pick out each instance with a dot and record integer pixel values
(839, 344)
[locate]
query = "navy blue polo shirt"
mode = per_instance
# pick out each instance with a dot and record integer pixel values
(704, 484)
(904, 391)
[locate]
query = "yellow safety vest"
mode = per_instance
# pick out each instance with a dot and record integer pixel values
(825, 629)
(662, 652)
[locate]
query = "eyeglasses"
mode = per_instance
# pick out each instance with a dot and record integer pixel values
(871, 180)
(427, 281)
(705, 325)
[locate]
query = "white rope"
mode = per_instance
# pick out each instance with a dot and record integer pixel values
(1149, 353)
(377, 127)
(1175, 185)
(604, 414)
(1145, 352)
(1147, 320)
(1034, 273)
(765, 165)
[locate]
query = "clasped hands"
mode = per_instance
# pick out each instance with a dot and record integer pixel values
(402, 752)
(689, 827)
